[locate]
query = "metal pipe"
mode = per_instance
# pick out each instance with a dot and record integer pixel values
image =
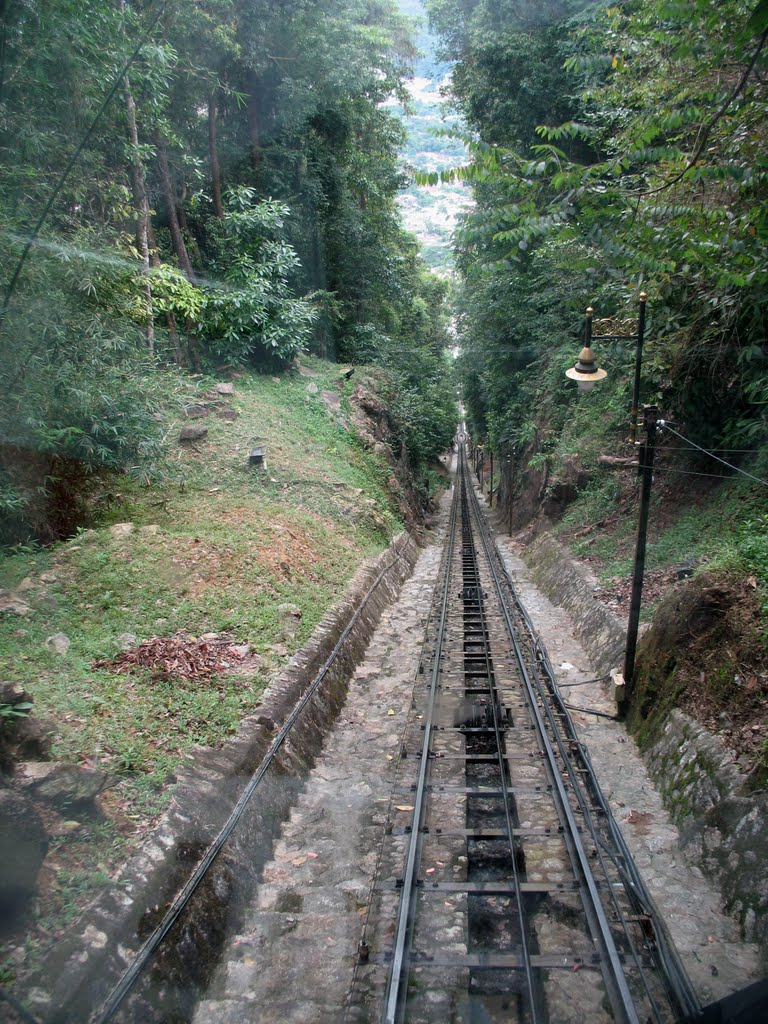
(647, 453)
(638, 365)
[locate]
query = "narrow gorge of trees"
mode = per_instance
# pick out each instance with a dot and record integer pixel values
(619, 149)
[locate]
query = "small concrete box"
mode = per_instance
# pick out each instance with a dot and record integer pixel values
(257, 457)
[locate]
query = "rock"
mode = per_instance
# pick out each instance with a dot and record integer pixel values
(192, 433)
(382, 450)
(225, 389)
(196, 412)
(23, 737)
(69, 787)
(304, 371)
(121, 530)
(289, 611)
(331, 399)
(228, 415)
(49, 577)
(149, 531)
(29, 737)
(12, 604)
(26, 584)
(23, 846)
(58, 643)
(312, 389)
(126, 640)
(30, 772)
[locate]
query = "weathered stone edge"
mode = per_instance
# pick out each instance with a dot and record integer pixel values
(569, 585)
(723, 827)
(87, 962)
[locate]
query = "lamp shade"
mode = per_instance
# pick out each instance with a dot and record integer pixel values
(586, 372)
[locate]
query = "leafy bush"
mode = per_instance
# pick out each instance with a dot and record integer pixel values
(251, 314)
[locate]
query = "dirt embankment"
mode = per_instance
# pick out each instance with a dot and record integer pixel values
(706, 655)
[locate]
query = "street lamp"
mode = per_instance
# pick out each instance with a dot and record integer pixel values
(586, 373)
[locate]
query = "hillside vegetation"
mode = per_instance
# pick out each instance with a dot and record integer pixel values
(158, 626)
(199, 187)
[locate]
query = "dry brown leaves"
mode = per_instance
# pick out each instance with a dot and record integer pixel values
(177, 656)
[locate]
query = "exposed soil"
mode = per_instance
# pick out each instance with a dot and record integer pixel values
(706, 653)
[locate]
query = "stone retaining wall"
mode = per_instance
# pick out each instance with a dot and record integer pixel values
(572, 587)
(85, 966)
(723, 827)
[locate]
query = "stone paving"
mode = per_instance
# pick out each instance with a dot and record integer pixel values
(293, 960)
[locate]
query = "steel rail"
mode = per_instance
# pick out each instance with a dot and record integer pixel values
(493, 694)
(617, 987)
(678, 984)
(149, 947)
(397, 979)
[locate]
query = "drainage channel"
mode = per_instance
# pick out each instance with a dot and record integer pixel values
(504, 892)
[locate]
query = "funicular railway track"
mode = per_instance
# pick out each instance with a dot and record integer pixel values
(505, 891)
(502, 889)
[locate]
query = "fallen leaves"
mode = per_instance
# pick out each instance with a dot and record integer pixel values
(176, 656)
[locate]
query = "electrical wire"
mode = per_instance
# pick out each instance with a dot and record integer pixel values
(698, 447)
(733, 451)
(25, 1015)
(691, 472)
(584, 682)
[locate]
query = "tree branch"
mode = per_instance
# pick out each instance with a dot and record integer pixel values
(707, 129)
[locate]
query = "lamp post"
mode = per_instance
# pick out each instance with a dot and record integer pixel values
(587, 373)
(509, 474)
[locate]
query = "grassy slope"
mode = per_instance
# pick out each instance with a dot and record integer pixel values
(217, 547)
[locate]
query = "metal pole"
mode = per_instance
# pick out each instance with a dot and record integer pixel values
(509, 496)
(490, 485)
(647, 453)
(638, 364)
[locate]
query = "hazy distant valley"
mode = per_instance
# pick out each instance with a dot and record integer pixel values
(430, 212)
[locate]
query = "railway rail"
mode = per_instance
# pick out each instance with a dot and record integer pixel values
(504, 887)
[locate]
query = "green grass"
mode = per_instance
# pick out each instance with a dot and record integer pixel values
(226, 545)
(726, 529)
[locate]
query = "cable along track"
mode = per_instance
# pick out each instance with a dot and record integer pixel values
(504, 890)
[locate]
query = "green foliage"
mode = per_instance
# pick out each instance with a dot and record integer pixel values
(645, 172)
(10, 711)
(125, 131)
(250, 314)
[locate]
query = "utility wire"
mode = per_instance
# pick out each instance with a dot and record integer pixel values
(678, 448)
(693, 444)
(691, 472)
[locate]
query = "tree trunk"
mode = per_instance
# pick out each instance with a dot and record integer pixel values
(254, 117)
(139, 186)
(170, 208)
(170, 319)
(213, 153)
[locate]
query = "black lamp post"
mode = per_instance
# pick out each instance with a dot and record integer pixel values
(587, 373)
